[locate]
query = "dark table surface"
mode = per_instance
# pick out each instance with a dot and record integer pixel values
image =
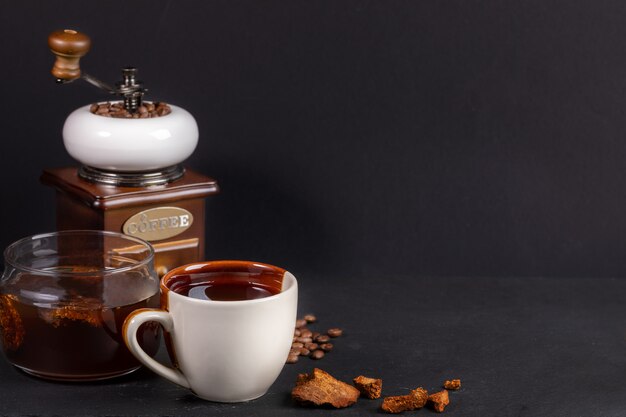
(521, 347)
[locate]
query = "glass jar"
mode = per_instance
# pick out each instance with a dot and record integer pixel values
(64, 297)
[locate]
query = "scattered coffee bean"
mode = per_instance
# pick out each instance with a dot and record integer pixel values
(117, 110)
(334, 332)
(311, 346)
(326, 347)
(305, 341)
(317, 354)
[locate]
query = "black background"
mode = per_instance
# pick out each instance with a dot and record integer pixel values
(471, 138)
(434, 172)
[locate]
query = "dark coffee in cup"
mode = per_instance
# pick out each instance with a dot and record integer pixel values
(209, 311)
(226, 286)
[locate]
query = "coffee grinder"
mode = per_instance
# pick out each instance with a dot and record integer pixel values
(131, 179)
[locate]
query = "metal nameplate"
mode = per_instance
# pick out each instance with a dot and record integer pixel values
(158, 223)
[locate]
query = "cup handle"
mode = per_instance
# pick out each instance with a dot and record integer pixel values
(131, 325)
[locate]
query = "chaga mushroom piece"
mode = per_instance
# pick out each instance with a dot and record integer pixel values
(369, 387)
(11, 327)
(397, 404)
(454, 384)
(320, 388)
(87, 310)
(439, 400)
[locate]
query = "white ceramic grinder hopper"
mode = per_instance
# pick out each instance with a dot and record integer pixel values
(134, 151)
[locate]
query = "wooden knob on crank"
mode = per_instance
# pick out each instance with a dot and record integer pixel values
(69, 46)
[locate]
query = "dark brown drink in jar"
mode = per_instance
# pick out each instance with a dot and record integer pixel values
(79, 339)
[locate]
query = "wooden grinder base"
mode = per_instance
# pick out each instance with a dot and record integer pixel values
(84, 205)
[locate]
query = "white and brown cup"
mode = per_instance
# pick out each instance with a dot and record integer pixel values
(226, 351)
